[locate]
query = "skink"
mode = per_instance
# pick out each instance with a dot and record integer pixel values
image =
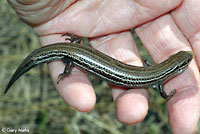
(105, 67)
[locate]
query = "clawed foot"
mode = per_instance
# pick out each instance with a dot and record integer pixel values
(171, 94)
(72, 38)
(62, 76)
(163, 93)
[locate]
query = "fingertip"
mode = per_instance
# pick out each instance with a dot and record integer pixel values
(183, 110)
(75, 88)
(78, 94)
(132, 106)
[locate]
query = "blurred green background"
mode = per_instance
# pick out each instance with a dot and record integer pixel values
(33, 102)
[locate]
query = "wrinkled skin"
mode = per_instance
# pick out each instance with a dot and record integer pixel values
(165, 27)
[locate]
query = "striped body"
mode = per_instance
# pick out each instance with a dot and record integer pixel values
(105, 67)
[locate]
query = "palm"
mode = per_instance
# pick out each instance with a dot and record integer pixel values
(163, 34)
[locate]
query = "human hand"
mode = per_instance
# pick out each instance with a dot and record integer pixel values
(161, 32)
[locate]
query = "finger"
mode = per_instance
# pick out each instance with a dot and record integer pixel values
(75, 89)
(163, 38)
(132, 104)
(187, 18)
(31, 12)
(96, 18)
